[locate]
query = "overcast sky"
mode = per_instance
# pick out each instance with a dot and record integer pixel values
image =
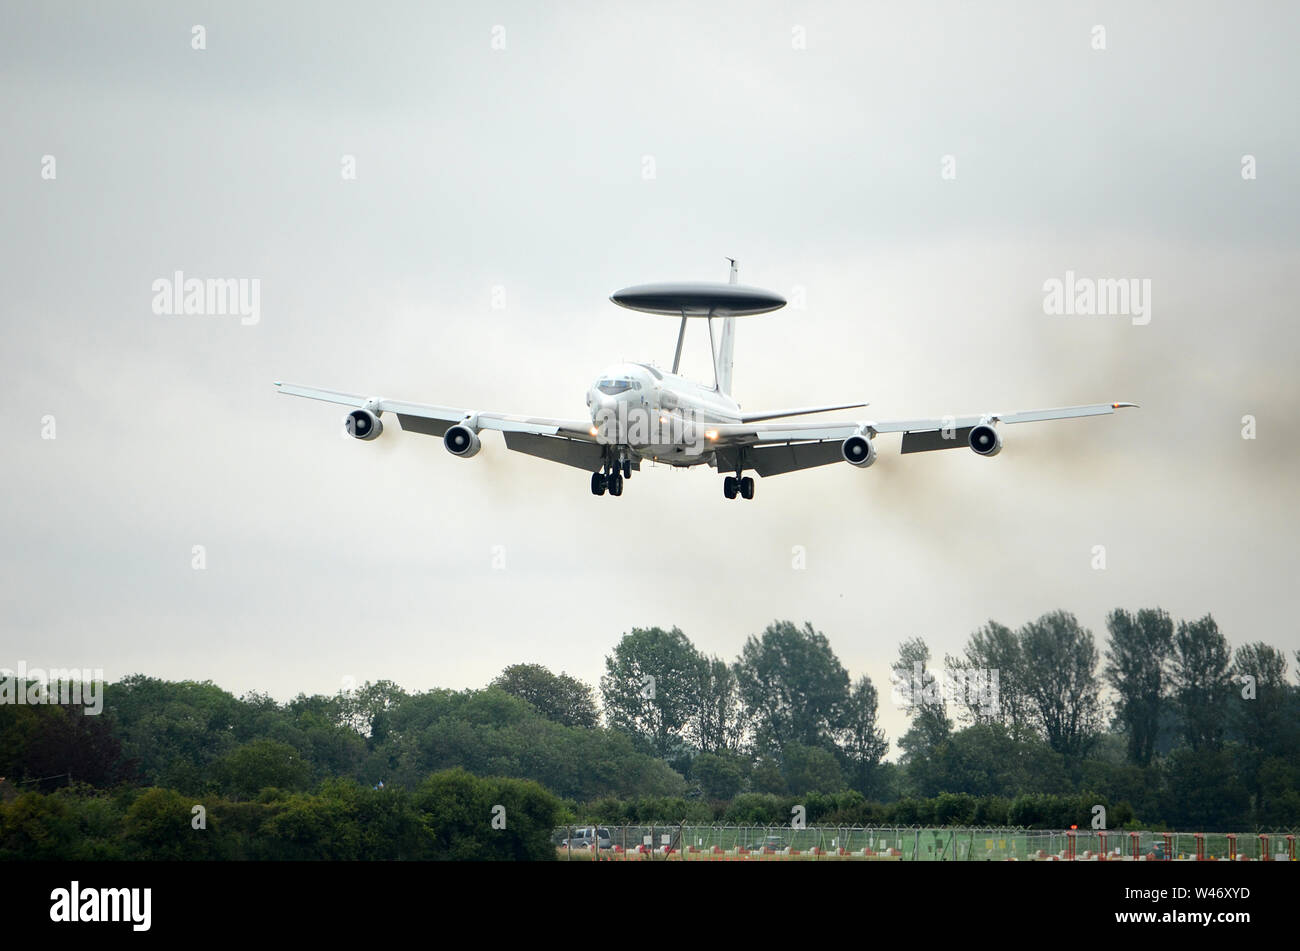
(610, 144)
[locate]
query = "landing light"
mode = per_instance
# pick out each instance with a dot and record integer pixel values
(595, 431)
(711, 434)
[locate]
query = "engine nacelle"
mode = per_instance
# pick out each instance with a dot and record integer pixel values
(363, 424)
(858, 451)
(985, 440)
(462, 441)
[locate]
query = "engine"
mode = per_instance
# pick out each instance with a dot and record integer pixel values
(462, 441)
(858, 451)
(985, 440)
(363, 424)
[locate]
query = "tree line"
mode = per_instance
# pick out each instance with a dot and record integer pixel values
(1167, 726)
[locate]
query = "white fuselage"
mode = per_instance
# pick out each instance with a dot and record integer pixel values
(657, 415)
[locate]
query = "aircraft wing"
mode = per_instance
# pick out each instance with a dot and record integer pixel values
(806, 411)
(568, 441)
(775, 448)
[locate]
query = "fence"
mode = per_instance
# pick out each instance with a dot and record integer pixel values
(915, 844)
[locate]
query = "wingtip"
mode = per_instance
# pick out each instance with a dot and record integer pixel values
(1122, 405)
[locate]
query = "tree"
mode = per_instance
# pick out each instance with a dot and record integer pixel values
(860, 737)
(1135, 666)
(159, 826)
(1260, 714)
(1260, 705)
(261, 764)
(651, 687)
(985, 759)
(1205, 791)
(35, 827)
(487, 819)
(61, 743)
(719, 723)
(561, 698)
(810, 769)
(367, 710)
(992, 662)
(174, 730)
(921, 696)
(719, 775)
(794, 688)
(1061, 683)
(1201, 680)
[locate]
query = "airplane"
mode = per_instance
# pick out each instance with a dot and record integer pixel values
(639, 413)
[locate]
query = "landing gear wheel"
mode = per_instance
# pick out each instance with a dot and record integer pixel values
(615, 484)
(627, 468)
(597, 483)
(747, 487)
(729, 487)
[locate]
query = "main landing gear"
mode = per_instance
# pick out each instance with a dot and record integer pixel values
(733, 484)
(611, 478)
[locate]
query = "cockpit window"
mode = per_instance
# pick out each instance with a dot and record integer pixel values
(614, 386)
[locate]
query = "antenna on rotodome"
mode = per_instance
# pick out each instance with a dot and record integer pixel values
(732, 280)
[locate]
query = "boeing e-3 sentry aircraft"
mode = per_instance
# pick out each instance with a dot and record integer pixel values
(639, 412)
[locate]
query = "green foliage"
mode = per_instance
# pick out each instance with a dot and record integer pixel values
(719, 723)
(767, 776)
(922, 701)
(1046, 811)
(252, 767)
(994, 650)
(1136, 661)
(561, 698)
(1201, 680)
(491, 733)
(809, 769)
(382, 774)
(1060, 682)
(37, 827)
(755, 809)
(450, 816)
(861, 741)
(954, 809)
(718, 775)
(652, 688)
(459, 810)
(794, 687)
(1204, 791)
(158, 827)
(986, 759)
